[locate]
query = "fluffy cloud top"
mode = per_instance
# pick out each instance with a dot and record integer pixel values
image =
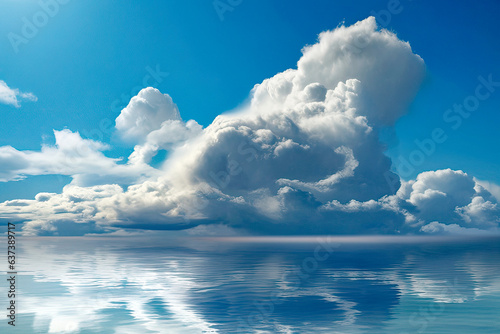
(302, 157)
(152, 120)
(145, 113)
(388, 72)
(12, 96)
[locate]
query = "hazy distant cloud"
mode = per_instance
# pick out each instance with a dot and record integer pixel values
(455, 229)
(13, 96)
(303, 156)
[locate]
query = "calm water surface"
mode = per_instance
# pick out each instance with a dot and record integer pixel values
(344, 285)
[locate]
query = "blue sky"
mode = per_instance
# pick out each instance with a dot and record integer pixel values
(86, 62)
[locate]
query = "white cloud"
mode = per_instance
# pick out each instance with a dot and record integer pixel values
(493, 188)
(455, 229)
(436, 194)
(451, 197)
(12, 96)
(302, 157)
(168, 136)
(71, 212)
(152, 120)
(375, 58)
(71, 155)
(325, 184)
(480, 212)
(145, 113)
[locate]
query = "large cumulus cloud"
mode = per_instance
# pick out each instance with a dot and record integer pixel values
(303, 156)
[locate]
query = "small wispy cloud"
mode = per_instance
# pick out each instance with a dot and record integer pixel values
(13, 96)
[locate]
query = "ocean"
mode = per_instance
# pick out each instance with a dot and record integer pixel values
(257, 285)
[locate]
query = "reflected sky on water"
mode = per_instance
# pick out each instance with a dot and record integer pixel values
(257, 285)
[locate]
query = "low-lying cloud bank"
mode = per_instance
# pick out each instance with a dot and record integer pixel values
(303, 157)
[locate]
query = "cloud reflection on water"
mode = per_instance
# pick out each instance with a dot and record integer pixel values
(126, 285)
